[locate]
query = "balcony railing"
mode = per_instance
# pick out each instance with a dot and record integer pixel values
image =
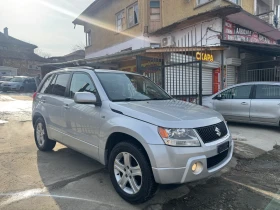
(267, 17)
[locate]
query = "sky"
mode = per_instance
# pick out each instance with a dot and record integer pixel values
(45, 23)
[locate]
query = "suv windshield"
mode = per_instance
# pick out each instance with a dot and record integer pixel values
(130, 87)
(16, 79)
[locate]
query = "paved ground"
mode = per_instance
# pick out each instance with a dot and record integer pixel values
(65, 179)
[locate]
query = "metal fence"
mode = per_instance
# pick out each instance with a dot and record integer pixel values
(268, 74)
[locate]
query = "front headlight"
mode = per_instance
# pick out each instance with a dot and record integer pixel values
(179, 137)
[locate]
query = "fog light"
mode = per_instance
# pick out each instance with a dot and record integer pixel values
(197, 168)
(194, 167)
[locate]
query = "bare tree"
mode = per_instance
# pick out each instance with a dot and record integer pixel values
(41, 53)
(80, 46)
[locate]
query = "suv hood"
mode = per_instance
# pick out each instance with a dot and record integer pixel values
(169, 113)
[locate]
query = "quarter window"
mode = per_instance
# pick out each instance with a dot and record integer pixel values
(81, 83)
(60, 84)
(240, 92)
(133, 15)
(46, 86)
(267, 92)
(120, 21)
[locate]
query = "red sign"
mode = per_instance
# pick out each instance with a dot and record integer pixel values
(216, 80)
(234, 32)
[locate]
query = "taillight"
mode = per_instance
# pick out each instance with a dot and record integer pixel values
(34, 95)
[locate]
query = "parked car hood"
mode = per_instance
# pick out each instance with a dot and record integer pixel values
(169, 113)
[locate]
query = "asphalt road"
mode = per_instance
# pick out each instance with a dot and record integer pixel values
(65, 179)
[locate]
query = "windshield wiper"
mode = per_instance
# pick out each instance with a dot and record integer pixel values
(160, 99)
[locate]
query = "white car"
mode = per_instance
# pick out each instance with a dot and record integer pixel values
(254, 102)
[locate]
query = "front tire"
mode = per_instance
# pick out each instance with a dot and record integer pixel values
(131, 173)
(41, 137)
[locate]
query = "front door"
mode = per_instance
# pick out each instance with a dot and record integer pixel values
(265, 106)
(82, 120)
(240, 103)
(235, 103)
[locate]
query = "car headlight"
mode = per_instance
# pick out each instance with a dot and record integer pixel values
(179, 137)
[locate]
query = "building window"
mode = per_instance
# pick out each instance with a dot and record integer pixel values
(120, 21)
(133, 15)
(88, 38)
(235, 1)
(199, 2)
(155, 10)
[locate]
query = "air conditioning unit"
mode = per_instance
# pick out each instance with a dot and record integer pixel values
(168, 41)
(233, 62)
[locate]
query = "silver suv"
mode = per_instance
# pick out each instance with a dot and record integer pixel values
(132, 126)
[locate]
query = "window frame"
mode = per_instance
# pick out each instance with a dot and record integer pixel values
(255, 92)
(201, 4)
(123, 19)
(150, 11)
(88, 38)
(127, 14)
(252, 91)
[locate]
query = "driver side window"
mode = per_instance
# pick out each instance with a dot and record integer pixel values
(240, 92)
(81, 83)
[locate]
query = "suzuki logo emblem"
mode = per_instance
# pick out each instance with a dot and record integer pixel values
(218, 132)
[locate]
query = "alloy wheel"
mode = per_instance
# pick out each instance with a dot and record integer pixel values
(128, 173)
(40, 132)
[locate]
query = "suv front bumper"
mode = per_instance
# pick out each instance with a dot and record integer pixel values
(174, 164)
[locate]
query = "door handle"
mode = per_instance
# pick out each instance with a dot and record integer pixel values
(66, 106)
(244, 103)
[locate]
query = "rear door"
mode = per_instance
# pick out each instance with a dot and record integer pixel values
(265, 106)
(55, 101)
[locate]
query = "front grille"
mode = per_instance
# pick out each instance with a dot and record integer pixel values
(211, 133)
(215, 160)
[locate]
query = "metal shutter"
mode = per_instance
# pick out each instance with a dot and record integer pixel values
(230, 77)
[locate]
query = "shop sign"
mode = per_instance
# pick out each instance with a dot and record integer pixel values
(204, 57)
(234, 32)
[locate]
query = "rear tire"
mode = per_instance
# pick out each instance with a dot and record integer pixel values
(136, 178)
(41, 137)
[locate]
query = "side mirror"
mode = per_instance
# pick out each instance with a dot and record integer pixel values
(85, 98)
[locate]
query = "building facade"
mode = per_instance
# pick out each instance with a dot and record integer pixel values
(18, 56)
(234, 34)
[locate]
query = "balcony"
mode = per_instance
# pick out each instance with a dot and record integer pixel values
(267, 17)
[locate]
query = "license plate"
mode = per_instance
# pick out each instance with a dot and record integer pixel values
(223, 147)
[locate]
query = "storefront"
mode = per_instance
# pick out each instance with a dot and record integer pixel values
(253, 50)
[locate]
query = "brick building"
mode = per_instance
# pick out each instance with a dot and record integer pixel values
(19, 56)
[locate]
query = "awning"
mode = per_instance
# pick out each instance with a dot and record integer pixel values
(269, 49)
(185, 49)
(254, 23)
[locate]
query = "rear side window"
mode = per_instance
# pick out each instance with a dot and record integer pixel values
(81, 83)
(268, 92)
(46, 86)
(60, 84)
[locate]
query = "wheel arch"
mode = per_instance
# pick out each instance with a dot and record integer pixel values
(117, 137)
